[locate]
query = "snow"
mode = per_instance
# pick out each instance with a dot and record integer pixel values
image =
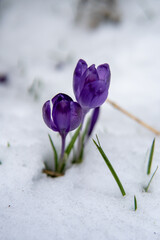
(39, 42)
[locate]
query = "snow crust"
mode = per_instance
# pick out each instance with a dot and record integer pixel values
(39, 48)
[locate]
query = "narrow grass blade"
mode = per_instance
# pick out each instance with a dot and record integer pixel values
(110, 166)
(146, 188)
(150, 157)
(135, 203)
(98, 140)
(71, 144)
(55, 153)
(85, 132)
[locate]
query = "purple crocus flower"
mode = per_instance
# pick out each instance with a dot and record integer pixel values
(61, 114)
(91, 85)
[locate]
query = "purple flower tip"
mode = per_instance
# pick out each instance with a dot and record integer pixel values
(90, 84)
(61, 114)
(93, 121)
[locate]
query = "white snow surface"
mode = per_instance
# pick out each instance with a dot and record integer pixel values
(86, 203)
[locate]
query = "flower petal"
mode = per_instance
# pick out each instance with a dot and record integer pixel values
(61, 116)
(91, 74)
(78, 72)
(76, 115)
(59, 97)
(93, 94)
(94, 119)
(81, 67)
(104, 73)
(46, 111)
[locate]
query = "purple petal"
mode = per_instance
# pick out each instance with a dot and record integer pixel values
(80, 68)
(104, 73)
(76, 115)
(46, 111)
(59, 97)
(94, 119)
(93, 94)
(78, 72)
(61, 116)
(91, 74)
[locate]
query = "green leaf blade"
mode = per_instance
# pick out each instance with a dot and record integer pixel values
(146, 188)
(85, 132)
(151, 157)
(135, 203)
(55, 153)
(72, 142)
(114, 174)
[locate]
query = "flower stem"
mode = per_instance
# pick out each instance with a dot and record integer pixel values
(63, 147)
(62, 163)
(83, 117)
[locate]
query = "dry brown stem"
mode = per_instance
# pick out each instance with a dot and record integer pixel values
(115, 105)
(51, 173)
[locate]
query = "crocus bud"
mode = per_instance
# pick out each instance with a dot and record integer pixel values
(61, 114)
(93, 121)
(91, 85)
